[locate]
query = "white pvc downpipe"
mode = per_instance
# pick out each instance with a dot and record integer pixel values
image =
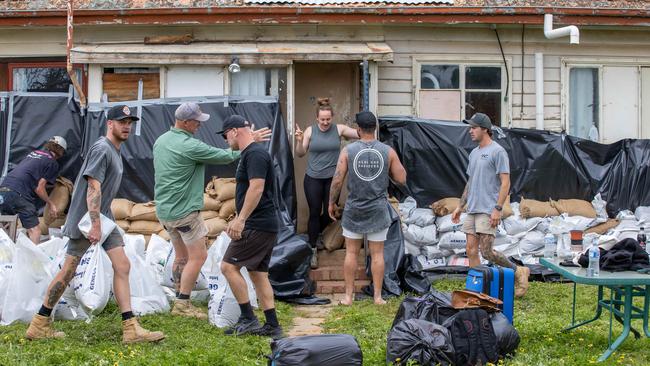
(539, 91)
(550, 33)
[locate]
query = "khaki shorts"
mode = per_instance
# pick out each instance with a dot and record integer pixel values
(478, 224)
(78, 247)
(189, 229)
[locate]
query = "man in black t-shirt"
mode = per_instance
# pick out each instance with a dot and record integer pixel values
(27, 181)
(253, 231)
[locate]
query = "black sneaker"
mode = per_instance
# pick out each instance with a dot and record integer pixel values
(268, 330)
(243, 326)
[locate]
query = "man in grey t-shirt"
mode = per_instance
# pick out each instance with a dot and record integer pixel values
(485, 193)
(95, 188)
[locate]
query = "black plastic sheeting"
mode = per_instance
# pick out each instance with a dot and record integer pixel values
(544, 165)
(36, 119)
(419, 341)
(4, 114)
(316, 350)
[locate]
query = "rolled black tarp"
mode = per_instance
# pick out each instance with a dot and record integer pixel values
(544, 165)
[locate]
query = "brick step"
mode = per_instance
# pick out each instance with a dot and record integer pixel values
(335, 273)
(336, 258)
(338, 287)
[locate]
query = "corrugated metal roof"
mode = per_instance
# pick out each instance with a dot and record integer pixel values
(349, 2)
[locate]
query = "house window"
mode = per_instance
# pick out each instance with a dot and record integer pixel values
(260, 82)
(584, 102)
(42, 77)
(455, 91)
(121, 83)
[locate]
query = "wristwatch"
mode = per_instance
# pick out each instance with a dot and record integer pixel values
(498, 208)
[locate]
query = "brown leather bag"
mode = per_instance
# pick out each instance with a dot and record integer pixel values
(464, 299)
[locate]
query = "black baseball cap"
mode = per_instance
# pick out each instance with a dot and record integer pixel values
(234, 121)
(120, 112)
(480, 120)
(366, 119)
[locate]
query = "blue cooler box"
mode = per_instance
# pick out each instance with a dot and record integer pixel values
(494, 281)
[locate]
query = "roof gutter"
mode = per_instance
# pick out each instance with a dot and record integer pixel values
(330, 15)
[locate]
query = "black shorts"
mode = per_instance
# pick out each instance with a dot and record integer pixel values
(252, 251)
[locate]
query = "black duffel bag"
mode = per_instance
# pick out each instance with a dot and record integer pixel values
(421, 341)
(316, 350)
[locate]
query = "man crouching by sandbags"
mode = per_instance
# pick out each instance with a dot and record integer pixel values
(483, 198)
(179, 162)
(28, 180)
(369, 163)
(253, 231)
(94, 190)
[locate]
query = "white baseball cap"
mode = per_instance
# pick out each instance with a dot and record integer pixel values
(60, 141)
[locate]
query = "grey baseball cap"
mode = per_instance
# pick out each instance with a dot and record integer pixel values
(480, 120)
(190, 110)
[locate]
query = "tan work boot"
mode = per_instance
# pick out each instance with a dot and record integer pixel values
(41, 328)
(132, 332)
(185, 308)
(521, 281)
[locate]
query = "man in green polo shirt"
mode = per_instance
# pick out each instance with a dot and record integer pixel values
(179, 164)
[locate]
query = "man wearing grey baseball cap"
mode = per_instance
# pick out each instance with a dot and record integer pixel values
(483, 199)
(179, 164)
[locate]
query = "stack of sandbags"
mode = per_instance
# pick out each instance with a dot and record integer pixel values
(221, 193)
(143, 220)
(121, 209)
(574, 207)
(446, 206)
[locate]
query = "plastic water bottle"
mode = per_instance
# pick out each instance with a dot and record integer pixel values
(641, 238)
(594, 260)
(549, 245)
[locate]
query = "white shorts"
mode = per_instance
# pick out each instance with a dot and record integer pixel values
(376, 236)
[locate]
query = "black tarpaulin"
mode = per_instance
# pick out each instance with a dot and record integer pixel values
(38, 117)
(4, 125)
(544, 165)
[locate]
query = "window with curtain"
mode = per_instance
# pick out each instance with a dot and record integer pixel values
(259, 82)
(584, 102)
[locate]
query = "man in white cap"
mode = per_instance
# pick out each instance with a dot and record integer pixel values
(179, 164)
(27, 181)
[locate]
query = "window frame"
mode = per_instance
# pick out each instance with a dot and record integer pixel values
(46, 64)
(463, 62)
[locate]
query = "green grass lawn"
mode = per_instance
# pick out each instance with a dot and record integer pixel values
(539, 317)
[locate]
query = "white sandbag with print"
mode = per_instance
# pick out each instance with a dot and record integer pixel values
(147, 296)
(453, 240)
(107, 226)
(93, 279)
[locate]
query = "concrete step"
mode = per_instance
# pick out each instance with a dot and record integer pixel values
(335, 273)
(338, 287)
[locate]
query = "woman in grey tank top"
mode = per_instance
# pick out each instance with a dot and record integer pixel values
(323, 142)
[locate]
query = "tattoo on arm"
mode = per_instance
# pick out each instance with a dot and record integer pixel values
(335, 190)
(93, 200)
(463, 198)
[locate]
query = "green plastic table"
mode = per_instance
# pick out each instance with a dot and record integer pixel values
(623, 286)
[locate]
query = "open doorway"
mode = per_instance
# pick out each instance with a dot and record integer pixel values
(340, 83)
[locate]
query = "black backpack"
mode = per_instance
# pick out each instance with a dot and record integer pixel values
(473, 338)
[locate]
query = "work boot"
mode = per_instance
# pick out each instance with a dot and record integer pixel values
(521, 280)
(314, 258)
(185, 308)
(132, 332)
(41, 328)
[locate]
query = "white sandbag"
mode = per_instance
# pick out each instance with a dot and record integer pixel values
(7, 248)
(515, 224)
(411, 248)
(626, 215)
(445, 224)
(532, 243)
(107, 226)
(421, 217)
(642, 213)
(147, 296)
(559, 225)
(168, 280)
(579, 222)
(422, 236)
(508, 245)
(68, 307)
(93, 279)
(156, 255)
(223, 309)
(212, 265)
(429, 263)
(407, 206)
(434, 251)
(453, 240)
(601, 208)
(26, 283)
